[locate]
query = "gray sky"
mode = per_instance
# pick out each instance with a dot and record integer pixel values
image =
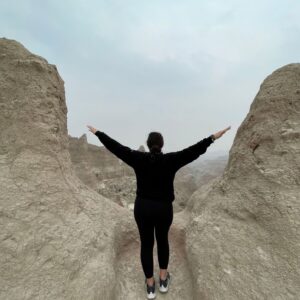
(184, 68)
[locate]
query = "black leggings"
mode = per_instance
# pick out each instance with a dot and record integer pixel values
(150, 215)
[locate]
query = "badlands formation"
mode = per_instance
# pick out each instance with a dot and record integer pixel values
(237, 238)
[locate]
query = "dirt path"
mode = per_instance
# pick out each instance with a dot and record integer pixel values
(130, 277)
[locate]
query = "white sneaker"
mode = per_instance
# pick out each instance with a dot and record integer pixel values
(164, 284)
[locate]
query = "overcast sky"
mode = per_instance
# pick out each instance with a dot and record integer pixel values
(184, 68)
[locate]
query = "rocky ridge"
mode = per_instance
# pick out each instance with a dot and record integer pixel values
(244, 230)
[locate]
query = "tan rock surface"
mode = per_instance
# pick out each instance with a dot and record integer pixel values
(238, 238)
(244, 230)
(58, 238)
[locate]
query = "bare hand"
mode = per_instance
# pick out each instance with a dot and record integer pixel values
(221, 132)
(92, 129)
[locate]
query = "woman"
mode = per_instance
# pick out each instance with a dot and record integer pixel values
(153, 209)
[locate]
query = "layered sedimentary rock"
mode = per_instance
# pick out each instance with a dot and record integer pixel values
(244, 232)
(93, 163)
(58, 238)
(207, 169)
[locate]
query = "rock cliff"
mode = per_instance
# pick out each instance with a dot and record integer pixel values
(244, 230)
(58, 238)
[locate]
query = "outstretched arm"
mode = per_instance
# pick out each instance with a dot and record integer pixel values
(122, 152)
(187, 155)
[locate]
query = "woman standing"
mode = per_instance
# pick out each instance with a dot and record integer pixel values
(153, 210)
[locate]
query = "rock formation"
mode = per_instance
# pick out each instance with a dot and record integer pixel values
(58, 238)
(244, 230)
(207, 169)
(93, 163)
(238, 237)
(142, 148)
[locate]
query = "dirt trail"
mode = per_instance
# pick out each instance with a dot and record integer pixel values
(130, 277)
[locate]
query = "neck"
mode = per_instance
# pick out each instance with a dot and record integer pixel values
(155, 150)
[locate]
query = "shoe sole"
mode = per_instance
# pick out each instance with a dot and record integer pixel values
(151, 296)
(163, 289)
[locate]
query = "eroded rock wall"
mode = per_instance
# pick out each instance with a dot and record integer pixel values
(58, 238)
(93, 163)
(244, 231)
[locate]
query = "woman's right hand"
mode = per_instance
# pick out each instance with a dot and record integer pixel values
(221, 132)
(92, 129)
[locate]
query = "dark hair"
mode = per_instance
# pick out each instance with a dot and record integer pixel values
(155, 141)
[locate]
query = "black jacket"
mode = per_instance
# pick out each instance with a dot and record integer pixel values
(155, 172)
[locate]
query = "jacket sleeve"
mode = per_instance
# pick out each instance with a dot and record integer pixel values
(124, 153)
(187, 155)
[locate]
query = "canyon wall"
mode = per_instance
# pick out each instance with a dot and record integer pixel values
(244, 230)
(58, 238)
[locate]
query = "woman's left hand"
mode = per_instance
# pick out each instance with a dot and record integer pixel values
(92, 129)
